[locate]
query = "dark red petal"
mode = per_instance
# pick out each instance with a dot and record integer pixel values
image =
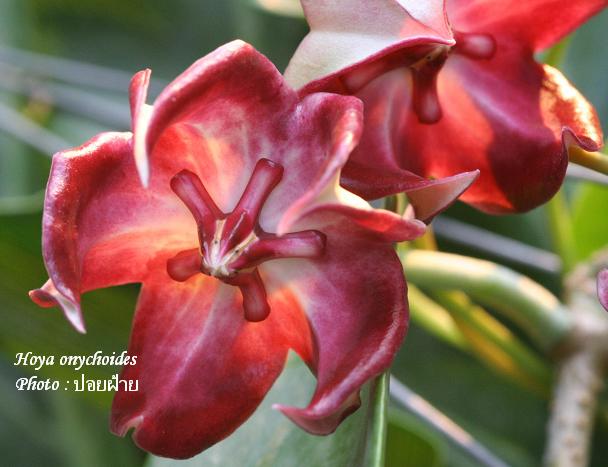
(428, 197)
(310, 138)
(352, 37)
(202, 368)
(100, 228)
(355, 299)
(535, 23)
(508, 117)
(602, 288)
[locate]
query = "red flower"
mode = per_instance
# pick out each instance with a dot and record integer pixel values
(481, 103)
(602, 287)
(244, 242)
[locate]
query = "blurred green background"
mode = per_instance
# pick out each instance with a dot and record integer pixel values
(69, 429)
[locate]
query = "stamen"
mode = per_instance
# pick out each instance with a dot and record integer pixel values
(255, 303)
(184, 265)
(306, 244)
(265, 177)
(189, 188)
(233, 245)
(475, 46)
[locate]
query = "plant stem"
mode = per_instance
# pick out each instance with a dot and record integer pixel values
(582, 370)
(560, 222)
(573, 411)
(377, 427)
(592, 160)
(528, 304)
(495, 344)
(434, 318)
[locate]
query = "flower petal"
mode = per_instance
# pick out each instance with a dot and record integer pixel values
(140, 115)
(357, 307)
(508, 117)
(348, 35)
(536, 23)
(100, 228)
(202, 369)
(224, 125)
(428, 197)
(602, 288)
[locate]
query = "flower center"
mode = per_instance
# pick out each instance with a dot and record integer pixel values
(232, 245)
(425, 100)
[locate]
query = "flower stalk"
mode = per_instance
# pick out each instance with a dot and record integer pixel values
(580, 378)
(594, 160)
(531, 306)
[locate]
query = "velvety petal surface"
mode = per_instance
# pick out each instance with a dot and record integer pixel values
(202, 368)
(348, 35)
(602, 288)
(100, 227)
(508, 117)
(224, 125)
(536, 23)
(357, 307)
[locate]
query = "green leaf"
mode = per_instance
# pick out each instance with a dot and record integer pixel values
(269, 439)
(29, 328)
(410, 444)
(589, 219)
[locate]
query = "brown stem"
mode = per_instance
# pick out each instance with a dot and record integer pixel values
(573, 410)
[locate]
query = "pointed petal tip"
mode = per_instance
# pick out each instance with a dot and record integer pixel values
(48, 296)
(430, 200)
(570, 138)
(321, 422)
(121, 426)
(143, 170)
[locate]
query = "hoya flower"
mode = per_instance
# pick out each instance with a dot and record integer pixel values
(481, 102)
(245, 245)
(602, 287)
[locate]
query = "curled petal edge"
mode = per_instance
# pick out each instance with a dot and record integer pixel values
(140, 119)
(318, 423)
(571, 141)
(48, 296)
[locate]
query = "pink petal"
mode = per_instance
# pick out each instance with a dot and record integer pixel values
(428, 197)
(202, 368)
(223, 125)
(602, 288)
(356, 304)
(535, 23)
(140, 115)
(100, 228)
(508, 117)
(311, 138)
(351, 36)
